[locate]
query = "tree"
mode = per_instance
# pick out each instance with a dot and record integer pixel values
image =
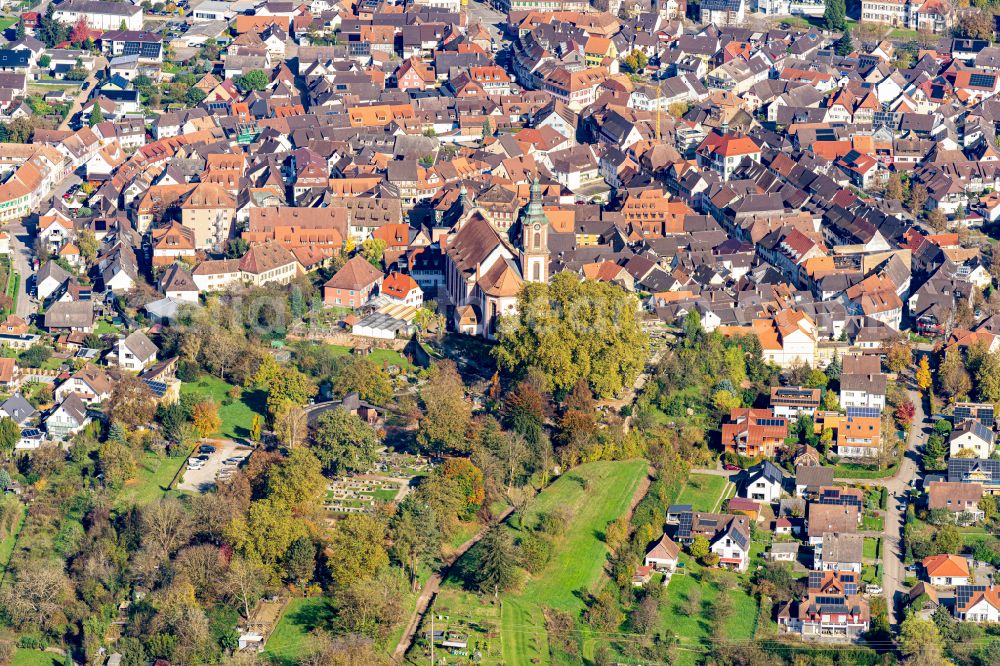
(835, 15)
(35, 356)
(416, 535)
(988, 378)
(372, 249)
(364, 376)
(937, 220)
(952, 377)
(296, 482)
(205, 415)
(195, 96)
(132, 402)
(699, 547)
(255, 79)
(497, 568)
(266, 532)
(236, 247)
(636, 61)
(924, 380)
(920, 642)
(19, 30)
(844, 45)
(976, 24)
(87, 243)
(899, 356)
(245, 582)
(948, 540)
(894, 187)
(447, 413)
(357, 550)
(10, 434)
(344, 443)
(255, 427)
(291, 426)
(918, 198)
(572, 329)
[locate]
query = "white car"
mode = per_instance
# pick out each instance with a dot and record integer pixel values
(873, 589)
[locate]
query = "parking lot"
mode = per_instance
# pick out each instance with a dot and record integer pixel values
(203, 479)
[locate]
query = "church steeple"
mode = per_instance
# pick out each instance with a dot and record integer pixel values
(535, 238)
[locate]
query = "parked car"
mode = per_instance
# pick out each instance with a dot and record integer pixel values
(730, 467)
(206, 448)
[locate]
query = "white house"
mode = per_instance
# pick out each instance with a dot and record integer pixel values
(973, 603)
(663, 556)
(136, 352)
(946, 570)
(733, 546)
(68, 418)
(92, 384)
(971, 436)
(764, 483)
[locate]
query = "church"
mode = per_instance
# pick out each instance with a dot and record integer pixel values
(485, 270)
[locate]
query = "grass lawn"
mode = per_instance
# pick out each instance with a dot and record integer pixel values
(595, 494)
(870, 551)
(855, 471)
(692, 626)
(105, 327)
(236, 416)
(378, 356)
(702, 491)
(24, 657)
(290, 638)
(899, 33)
(154, 476)
(871, 523)
(6, 22)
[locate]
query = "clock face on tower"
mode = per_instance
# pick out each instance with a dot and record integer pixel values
(537, 227)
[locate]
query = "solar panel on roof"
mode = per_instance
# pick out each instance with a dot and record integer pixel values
(771, 422)
(815, 578)
(965, 592)
(982, 80)
(684, 525)
(864, 412)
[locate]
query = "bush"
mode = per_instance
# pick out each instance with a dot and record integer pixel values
(534, 552)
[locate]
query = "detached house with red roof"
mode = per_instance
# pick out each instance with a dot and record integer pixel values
(402, 289)
(754, 432)
(353, 285)
(977, 603)
(946, 570)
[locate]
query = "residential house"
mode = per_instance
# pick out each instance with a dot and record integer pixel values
(753, 432)
(810, 478)
(91, 383)
(792, 401)
(839, 552)
(826, 518)
(946, 570)
(833, 608)
(764, 482)
(971, 439)
(978, 603)
(353, 285)
(67, 418)
(70, 316)
(959, 499)
(136, 352)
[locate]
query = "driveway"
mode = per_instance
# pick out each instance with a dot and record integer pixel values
(202, 480)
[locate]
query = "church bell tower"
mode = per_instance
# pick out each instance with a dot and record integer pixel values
(535, 238)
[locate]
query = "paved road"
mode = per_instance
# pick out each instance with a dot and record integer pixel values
(21, 244)
(99, 64)
(893, 568)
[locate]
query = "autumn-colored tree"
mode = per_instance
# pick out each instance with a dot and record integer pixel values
(924, 379)
(899, 356)
(205, 415)
(918, 197)
(904, 414)
(255, 427)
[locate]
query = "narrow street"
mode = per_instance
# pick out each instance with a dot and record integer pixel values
(893, 568)
(21, 254)
(81, 98)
